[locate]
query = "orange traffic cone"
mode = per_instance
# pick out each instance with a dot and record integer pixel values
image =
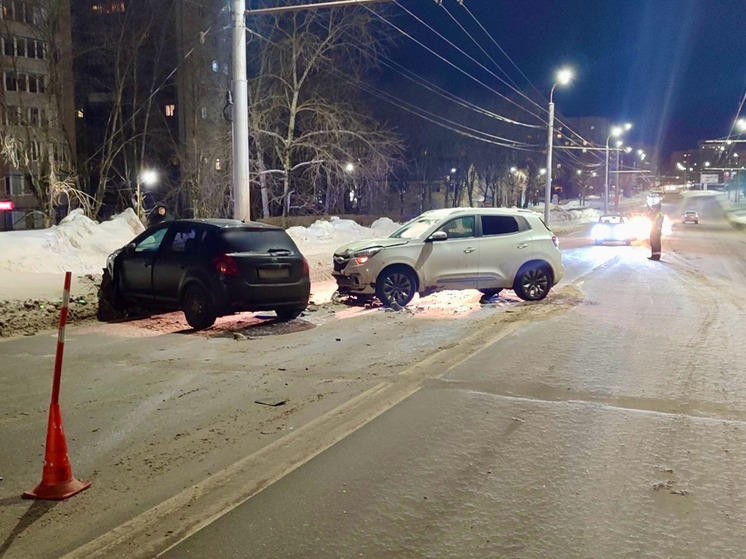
(57, 481)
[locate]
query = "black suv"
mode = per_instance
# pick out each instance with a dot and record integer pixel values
(207, 268)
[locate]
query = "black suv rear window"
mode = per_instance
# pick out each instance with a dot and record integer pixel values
(256, 240)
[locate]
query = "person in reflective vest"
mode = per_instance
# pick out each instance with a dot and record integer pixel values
(656, 229)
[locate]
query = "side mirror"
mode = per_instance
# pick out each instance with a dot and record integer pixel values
(129, 250)
(438, 236)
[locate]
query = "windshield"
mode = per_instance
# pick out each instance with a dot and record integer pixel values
(415, 228)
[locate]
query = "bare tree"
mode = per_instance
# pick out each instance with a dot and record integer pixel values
(314, 148)
(121, 58)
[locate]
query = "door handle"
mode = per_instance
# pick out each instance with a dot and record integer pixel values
(467, 250)
(523, 245)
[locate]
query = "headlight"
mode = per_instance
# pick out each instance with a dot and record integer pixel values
(362, 256)
(640, 226)
(600, 232)
(621, 232)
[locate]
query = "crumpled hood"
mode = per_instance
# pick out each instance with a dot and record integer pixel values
(356, 246)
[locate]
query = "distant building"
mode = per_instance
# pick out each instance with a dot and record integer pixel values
(178, 123)
(37, 132)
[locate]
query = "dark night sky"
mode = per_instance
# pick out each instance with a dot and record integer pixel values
(675, 68)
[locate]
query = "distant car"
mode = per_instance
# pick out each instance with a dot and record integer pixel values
(613, 228)
(457, 248)
(690, 216)
(207, 268)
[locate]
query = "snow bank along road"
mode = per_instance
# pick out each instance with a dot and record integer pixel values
(605, 420)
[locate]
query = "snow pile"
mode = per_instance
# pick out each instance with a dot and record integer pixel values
(78, 244)
(318, 241)
(340, 231)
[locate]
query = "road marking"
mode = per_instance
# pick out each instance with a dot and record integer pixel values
(192, 509)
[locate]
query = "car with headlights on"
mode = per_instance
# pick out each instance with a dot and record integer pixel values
(206, 268)
(613, 228)
(488, 249)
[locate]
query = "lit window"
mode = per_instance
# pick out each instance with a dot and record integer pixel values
(218, 166)
(215, 66)
(81, 114)
(204, 112)
(170, 110)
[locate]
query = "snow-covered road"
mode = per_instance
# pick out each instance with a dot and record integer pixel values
(528, 421)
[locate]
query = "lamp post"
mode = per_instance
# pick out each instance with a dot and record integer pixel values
(613, 133)
(563, 78)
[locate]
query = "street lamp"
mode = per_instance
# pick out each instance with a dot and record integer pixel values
(563, 77)
(615, 132)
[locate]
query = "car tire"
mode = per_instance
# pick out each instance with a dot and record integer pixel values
(533, 282)
(396, 286)
(197, 307)
(110, 304)
(288, 313)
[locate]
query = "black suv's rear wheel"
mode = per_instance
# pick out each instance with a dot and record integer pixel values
(110, 304)
(396, 286)
(285, 314)
(533, 282)
(197, 307)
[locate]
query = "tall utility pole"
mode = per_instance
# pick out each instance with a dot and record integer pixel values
(240, 129)
(550, 141)
(241, 189)
(564, 76)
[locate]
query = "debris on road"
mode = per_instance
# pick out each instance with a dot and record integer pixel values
(273, 402)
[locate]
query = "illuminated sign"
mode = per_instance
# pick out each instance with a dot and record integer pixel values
(6, 205)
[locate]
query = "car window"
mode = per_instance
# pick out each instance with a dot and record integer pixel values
(499, 225)
(256, 240)
(152, 241)
(459, 228)
(187, 239)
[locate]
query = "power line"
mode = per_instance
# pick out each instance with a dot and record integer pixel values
(507, 56)
(470, 57)
(477, 80)
(507, 76)
(419, 80)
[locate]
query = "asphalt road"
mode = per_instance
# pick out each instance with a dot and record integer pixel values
(614, 428)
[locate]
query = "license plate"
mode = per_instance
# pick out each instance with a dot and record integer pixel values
(274, 273)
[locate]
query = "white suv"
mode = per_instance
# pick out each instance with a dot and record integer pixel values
(457, 248)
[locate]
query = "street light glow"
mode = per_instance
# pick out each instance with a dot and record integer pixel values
(627, 149)
(616, 131)
(741, 124)
(627, 125)
(565, 76)
(513, 169)
(453, 170)
(579, 172)
(149, 177)
(349, 167)
(542, 171)
(707, 163)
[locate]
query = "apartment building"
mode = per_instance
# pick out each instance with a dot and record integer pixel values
(37, 137)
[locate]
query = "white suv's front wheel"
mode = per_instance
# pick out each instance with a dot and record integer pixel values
(396, 286)
(533, 282)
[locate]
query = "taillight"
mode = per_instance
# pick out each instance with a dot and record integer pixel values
(306, 269)
(555, 240)
(226, 265)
